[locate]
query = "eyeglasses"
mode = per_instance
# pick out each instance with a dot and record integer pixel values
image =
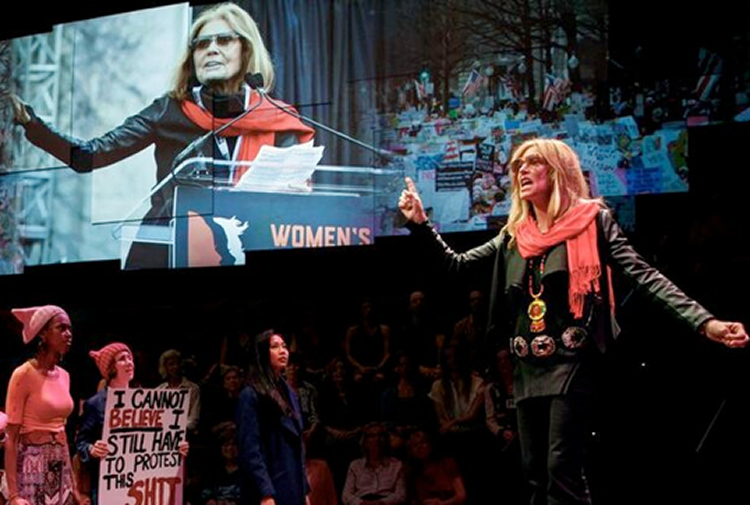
(221, 39)
(531, 160)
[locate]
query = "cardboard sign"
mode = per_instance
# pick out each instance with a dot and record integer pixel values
(143, 429)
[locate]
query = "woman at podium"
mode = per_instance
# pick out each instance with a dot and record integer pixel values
(211, 87)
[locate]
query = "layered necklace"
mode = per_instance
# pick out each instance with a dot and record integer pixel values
(537, 308)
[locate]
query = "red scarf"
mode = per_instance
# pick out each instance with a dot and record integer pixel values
(257, 129)
(578, 229)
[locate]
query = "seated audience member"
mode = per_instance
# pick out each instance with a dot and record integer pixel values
(322, 485)
(458, 394)
(170, 369)
(376, 478)
(420, 336)
(432, 480)
(468, 332)
(341, 420)
(405, 406)
(222, 482)
(307, 394)
(221, 406)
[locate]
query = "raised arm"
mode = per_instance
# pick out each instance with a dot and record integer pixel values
(410, 205)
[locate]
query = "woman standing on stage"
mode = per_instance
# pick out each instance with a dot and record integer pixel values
(37, 461)
(552, 267)
(269, 425)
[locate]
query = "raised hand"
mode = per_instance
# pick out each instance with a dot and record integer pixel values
(20, 114)
(410, 204)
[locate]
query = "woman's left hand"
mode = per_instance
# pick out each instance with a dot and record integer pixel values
(731, 334)
(184, 448)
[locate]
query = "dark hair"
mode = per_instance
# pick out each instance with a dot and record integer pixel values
(262, 378)
(412, 369)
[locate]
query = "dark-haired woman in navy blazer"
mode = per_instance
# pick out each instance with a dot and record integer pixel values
(270, 431)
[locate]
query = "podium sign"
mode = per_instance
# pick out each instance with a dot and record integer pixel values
(215, 226)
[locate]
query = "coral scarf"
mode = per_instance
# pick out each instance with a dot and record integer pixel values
(257, 129)
(578, 229)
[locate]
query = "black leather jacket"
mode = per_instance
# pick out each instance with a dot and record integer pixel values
(508, 269)
(162, 123)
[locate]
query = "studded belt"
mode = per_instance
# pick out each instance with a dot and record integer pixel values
(544, 346)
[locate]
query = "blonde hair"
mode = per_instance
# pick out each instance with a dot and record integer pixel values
(569, 186)
(167, 355)
(255, 56)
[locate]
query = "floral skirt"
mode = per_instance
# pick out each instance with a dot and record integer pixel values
(44, 475)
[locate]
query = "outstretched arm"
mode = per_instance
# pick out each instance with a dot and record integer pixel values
(663, 292)
(133, 135)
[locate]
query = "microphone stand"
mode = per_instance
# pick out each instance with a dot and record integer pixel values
(176, 163)
(200, 140)
(383, 153)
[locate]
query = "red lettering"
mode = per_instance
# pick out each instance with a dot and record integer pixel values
(134, 492)
(135, 418)
(114, 418)
(154, 489)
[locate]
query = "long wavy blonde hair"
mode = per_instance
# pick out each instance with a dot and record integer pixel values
(569, 186)
(255, 56)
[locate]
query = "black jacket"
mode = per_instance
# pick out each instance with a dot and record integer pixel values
(508, 269)
(162, 123)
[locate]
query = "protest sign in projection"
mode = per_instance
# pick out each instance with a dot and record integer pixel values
(143, 429)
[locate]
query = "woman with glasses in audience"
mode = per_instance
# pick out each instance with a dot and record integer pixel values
(209, 89)
(552, 267)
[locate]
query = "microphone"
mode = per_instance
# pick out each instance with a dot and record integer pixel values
(255, 81)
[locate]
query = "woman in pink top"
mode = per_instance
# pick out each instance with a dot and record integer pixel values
(37, 461)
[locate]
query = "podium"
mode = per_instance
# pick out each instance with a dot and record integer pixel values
(214, 223)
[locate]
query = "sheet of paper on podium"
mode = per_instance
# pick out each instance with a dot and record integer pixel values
(282, 169)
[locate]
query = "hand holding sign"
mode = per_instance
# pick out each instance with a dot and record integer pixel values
(98, 449)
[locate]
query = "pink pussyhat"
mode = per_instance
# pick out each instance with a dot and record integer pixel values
(106, 355)
(34, 319)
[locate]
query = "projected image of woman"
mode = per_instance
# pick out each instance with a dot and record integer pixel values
(208, 90)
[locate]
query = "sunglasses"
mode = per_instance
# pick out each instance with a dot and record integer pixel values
(221, 39)
(531, 160)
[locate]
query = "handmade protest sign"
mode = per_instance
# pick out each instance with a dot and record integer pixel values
(143, 429)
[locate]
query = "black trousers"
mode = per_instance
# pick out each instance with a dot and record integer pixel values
(554, 432)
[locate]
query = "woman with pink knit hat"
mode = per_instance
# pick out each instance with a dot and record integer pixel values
(37, 461)
(117, 367)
